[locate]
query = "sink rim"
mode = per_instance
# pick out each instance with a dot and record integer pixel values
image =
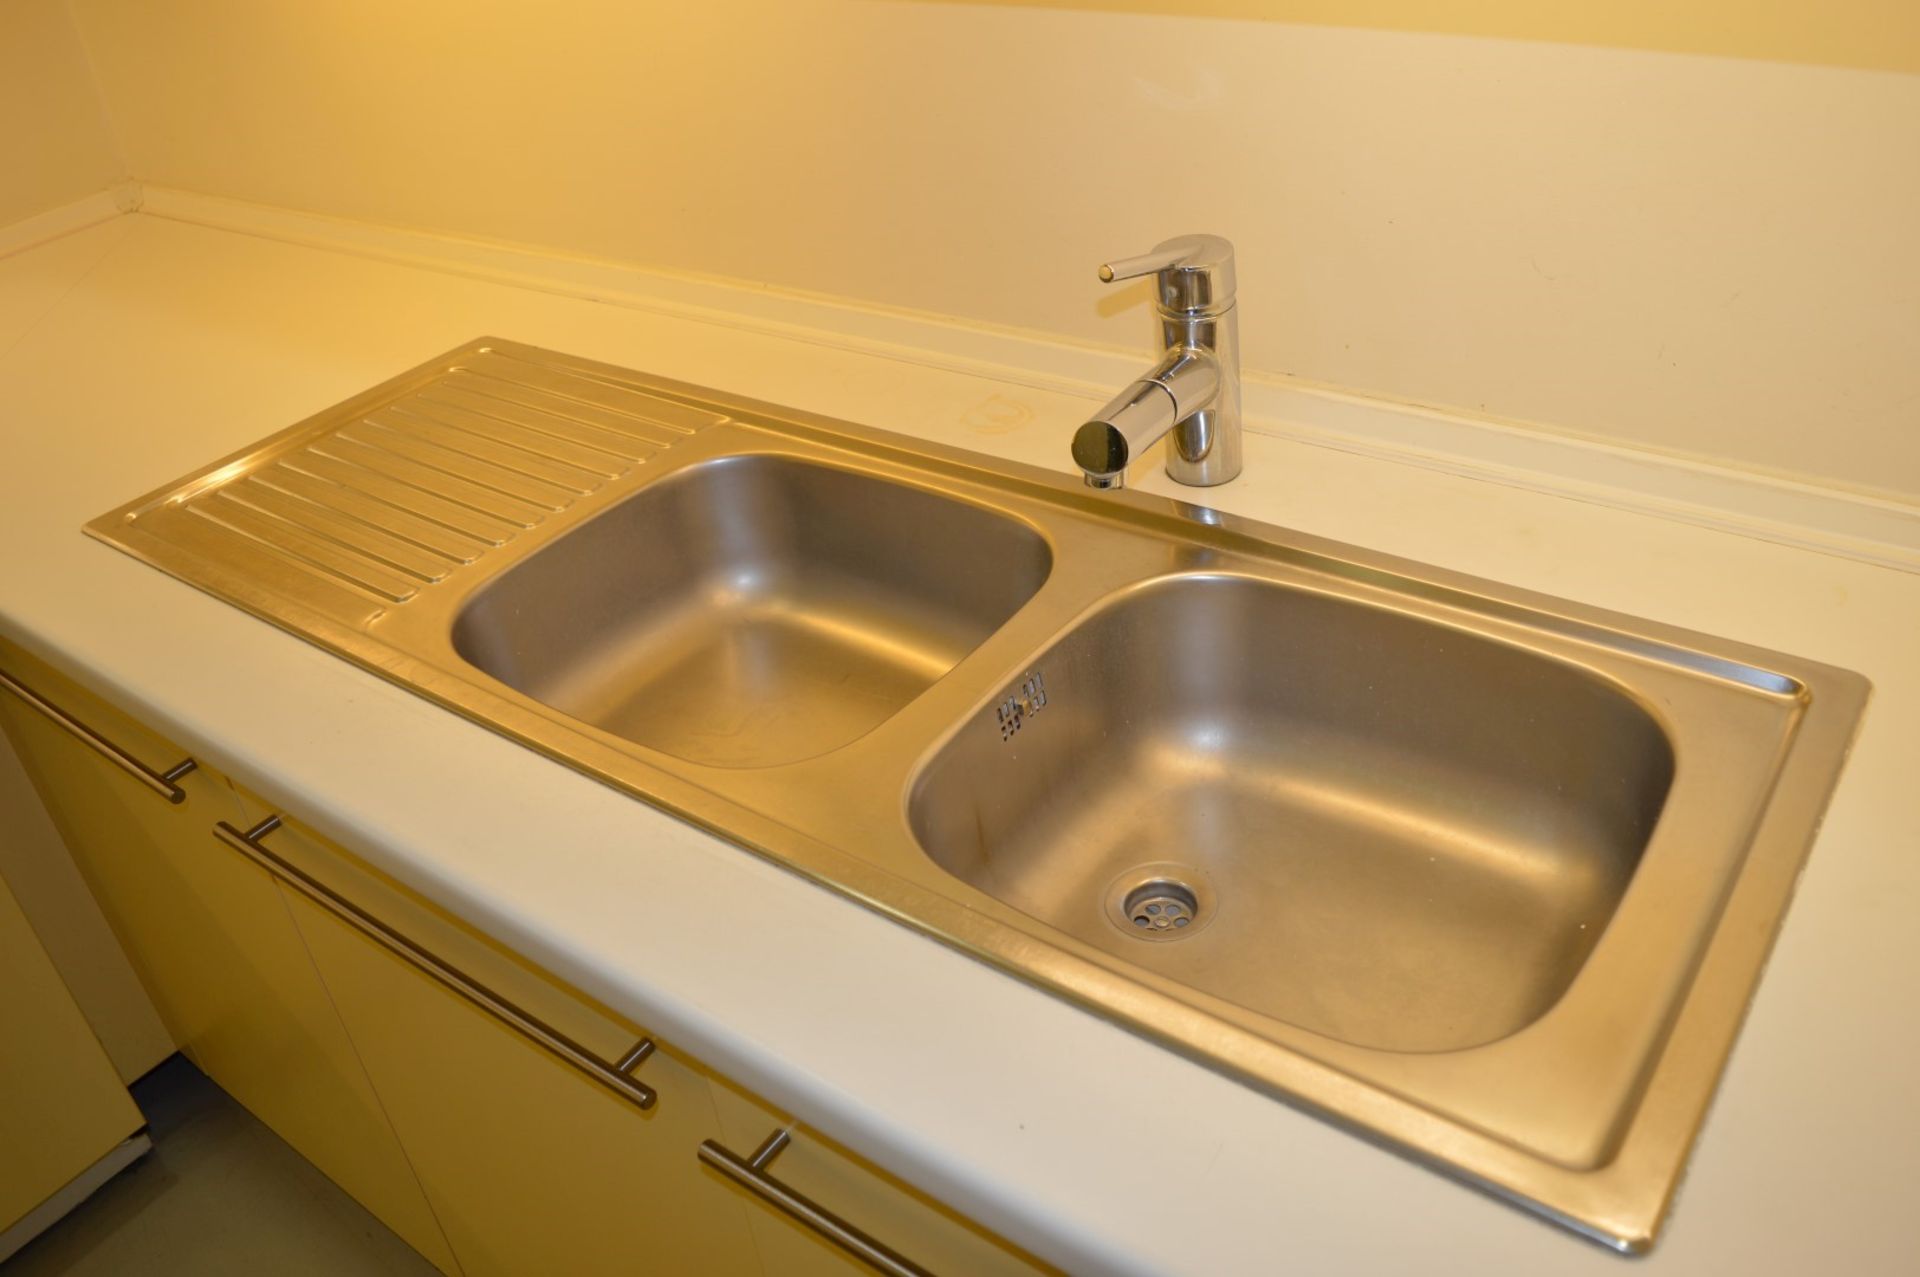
(1101, 542)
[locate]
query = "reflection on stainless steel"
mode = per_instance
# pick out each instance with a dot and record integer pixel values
(1487, 874)
(753, 610)
(1192, 396)
(1401, 860)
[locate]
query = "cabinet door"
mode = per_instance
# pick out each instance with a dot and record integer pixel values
(216, 947)
(531, 1166)
(913, 1225)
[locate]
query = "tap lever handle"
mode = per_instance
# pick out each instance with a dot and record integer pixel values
(1145, 264)
(1195, 273)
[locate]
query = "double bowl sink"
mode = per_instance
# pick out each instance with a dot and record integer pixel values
(1485, 874)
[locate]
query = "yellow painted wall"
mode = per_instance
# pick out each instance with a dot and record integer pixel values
(1595, 232)
(54, 143)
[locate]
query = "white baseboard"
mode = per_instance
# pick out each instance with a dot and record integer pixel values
(31, 232)
(1832, 520)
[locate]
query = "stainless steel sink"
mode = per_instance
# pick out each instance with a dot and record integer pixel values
(1485, 874)
(752, 610)
(1394, 834)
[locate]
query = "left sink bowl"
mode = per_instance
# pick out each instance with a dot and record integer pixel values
(752, 610)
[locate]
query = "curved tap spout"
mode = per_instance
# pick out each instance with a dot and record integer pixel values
(1185, 383)
(1193, 394)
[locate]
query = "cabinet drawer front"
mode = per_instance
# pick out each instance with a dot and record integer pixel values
(595, 1029)
(903, 1219)
(530, 1165)
(481, 1109)
(615, 1075)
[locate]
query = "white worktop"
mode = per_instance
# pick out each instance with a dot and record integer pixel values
(142, 348)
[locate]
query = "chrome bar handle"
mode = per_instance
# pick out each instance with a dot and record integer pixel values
(751, 1174)
(1194, 275)
(1145, 264)
(615, 1076)
(161, 783)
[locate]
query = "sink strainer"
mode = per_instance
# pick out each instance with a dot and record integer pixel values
(1159, 902)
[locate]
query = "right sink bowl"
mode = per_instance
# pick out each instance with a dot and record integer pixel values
(1370, 826)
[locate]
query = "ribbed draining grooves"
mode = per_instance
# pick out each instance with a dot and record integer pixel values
(394, 498)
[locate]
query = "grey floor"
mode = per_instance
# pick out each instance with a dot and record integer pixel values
(220, 1194)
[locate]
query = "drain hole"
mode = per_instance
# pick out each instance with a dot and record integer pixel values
(1161, 905)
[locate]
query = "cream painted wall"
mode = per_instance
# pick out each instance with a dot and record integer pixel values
(54, 142)
(1700, 254)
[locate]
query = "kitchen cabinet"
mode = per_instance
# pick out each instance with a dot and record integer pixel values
(211, 937)
(530, 1165)
(413, 1059)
